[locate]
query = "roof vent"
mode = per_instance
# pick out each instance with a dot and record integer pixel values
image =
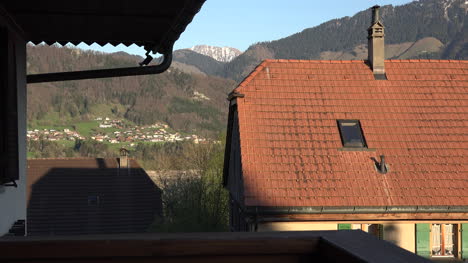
(376, 49)
(381, 166)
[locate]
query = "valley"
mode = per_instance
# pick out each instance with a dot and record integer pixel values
(187, 103)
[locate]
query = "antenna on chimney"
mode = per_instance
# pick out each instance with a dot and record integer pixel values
(376, 45)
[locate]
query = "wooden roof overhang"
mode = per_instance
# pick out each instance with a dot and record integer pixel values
(154, 25)
(385, 213)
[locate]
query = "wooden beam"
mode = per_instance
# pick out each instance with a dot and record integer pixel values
(442, 239)
(317, 246)
(459, 241)
(7, 20)
(156, 245)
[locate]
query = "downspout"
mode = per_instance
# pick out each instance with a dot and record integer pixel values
(104, 73)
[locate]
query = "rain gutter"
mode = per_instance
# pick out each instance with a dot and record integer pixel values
(264, 210)
(103, 73)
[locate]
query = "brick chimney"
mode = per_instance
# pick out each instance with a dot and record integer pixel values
(376, 53)
(123, 160)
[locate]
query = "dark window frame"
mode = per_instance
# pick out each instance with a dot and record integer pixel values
(93, 200)
(347, 144)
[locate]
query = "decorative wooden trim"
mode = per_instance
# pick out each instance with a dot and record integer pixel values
(442, 239)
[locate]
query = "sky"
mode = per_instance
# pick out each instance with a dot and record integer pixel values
(241, 23)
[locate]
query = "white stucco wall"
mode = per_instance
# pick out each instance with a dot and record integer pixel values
(13, 200)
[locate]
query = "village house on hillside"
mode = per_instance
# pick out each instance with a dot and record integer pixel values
(78, 196)
(377, 145)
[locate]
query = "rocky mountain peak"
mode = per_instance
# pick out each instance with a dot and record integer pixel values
(222, 54)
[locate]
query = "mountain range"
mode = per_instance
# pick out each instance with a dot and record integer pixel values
(420, 29)
(221, 54)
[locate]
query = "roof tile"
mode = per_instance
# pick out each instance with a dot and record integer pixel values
(290, 143)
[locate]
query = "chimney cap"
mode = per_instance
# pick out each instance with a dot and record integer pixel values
(123, 152)
(375, 14)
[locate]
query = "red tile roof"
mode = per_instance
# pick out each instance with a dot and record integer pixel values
(417, 118)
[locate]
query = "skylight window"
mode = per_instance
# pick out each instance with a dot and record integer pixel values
(351, 134)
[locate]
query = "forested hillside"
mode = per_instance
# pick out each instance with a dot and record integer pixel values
(172, 97)
(189, 98)
(442, 20)
(204, 63)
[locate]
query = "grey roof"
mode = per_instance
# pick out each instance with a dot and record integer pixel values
(89, 196)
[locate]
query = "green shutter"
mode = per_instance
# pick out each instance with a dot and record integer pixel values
(381, 232)
(464, 241)
(344, 226)
(423, 234)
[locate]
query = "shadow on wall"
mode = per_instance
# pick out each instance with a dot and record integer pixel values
(391, 234)
(80, 201)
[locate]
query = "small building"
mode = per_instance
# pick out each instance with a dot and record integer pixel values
(82, 196)
(105, 125)
(377, 145)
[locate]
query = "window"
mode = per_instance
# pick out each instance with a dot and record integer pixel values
(351, 134)
(443, 239)
(93, 200)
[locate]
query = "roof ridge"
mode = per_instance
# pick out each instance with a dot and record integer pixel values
(428, 60)
(315, 60)
(351, 61)
(362, 60)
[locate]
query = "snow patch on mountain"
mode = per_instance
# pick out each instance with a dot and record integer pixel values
(223, 54)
